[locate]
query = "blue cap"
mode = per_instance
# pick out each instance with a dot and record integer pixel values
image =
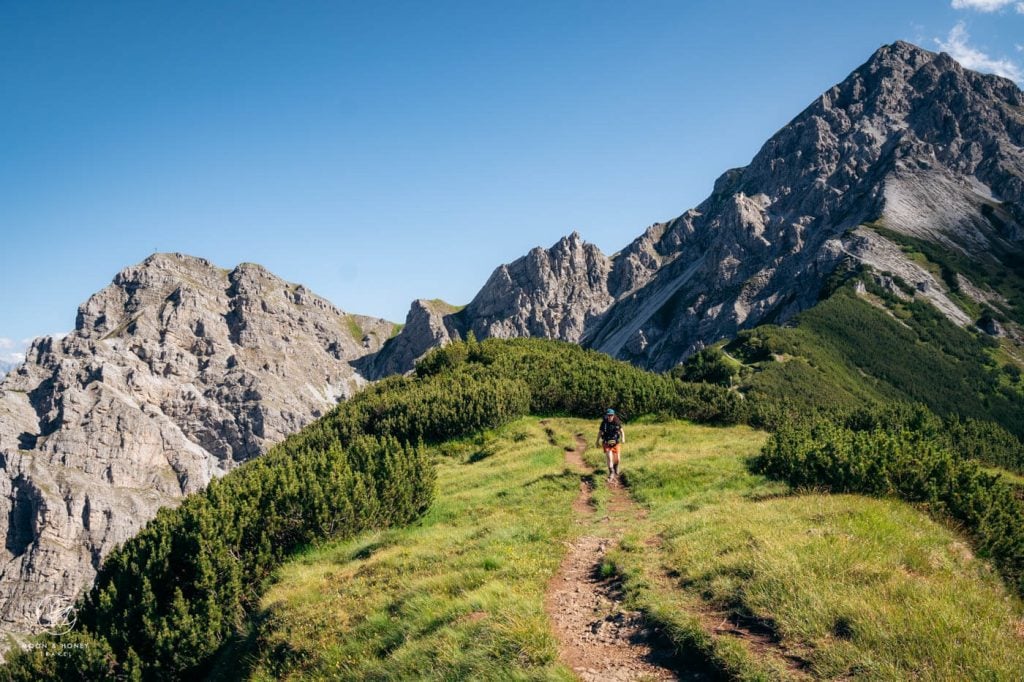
(610, 411)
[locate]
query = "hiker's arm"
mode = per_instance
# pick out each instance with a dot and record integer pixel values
(622, 432)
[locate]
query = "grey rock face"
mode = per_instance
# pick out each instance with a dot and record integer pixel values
(174, 374)
(553, 293)
(910, 141)
(429, 324)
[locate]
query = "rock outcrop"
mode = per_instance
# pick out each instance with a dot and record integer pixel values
(174, 374)
(429, 324)
(910, 141)
(553, 293)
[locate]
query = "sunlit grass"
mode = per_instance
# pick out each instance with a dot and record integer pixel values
(850, 587)
(457, 596)
(1008, 476)
(855, 587)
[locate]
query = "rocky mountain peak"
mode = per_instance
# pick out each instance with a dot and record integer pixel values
(550, 293)
(910, 140)
(175, 372)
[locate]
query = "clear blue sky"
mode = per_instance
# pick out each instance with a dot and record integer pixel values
(383, 151)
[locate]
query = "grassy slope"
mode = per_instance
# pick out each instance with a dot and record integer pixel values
(851, 586)
(1001, 271)
(456, 596)
(846, 351)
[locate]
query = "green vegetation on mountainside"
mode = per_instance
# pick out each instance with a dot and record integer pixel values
(846, 352)
(187, 597)
(1001, 270)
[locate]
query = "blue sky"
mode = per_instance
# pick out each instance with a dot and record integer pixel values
(380, 152)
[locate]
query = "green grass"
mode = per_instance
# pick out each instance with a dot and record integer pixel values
(852, 587)
(354, 329)
(1010, 476)
(459, 595)
(444, 307)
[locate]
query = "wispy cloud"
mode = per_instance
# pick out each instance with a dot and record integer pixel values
(957, 44)
(989, 5)
(985, 5)
(12, 350)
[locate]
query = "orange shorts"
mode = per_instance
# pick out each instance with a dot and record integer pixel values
(614, 449)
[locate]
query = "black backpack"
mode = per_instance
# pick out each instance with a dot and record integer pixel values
(611, 431)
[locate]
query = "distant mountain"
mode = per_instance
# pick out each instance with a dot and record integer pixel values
(6, 367)
(910, 145)
(174, 374)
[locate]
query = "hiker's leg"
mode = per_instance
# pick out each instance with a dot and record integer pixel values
(616, 451)
(608, 457)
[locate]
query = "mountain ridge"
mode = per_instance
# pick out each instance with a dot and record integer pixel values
(908, 135)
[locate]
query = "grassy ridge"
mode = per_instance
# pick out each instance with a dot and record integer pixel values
(170, 599)
(458, 595)
(166, 604)
(840, 586)
(848, 587)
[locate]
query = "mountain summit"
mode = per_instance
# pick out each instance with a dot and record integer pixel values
(174, 374)
(910, 141)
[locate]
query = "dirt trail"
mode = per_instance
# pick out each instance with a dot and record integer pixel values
(598, 638)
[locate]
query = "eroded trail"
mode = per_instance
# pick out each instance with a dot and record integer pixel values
(598, 638)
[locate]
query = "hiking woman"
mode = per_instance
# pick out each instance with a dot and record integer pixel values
(611, 437)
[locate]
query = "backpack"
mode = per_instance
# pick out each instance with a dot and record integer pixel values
(611, 431)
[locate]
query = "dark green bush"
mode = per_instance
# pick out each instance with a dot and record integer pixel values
(708, 365)
(566, 379)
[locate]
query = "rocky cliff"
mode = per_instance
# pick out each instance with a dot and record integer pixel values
(910, 141)
(174, 374)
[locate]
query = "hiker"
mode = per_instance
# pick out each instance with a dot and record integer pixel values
(611, 437)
